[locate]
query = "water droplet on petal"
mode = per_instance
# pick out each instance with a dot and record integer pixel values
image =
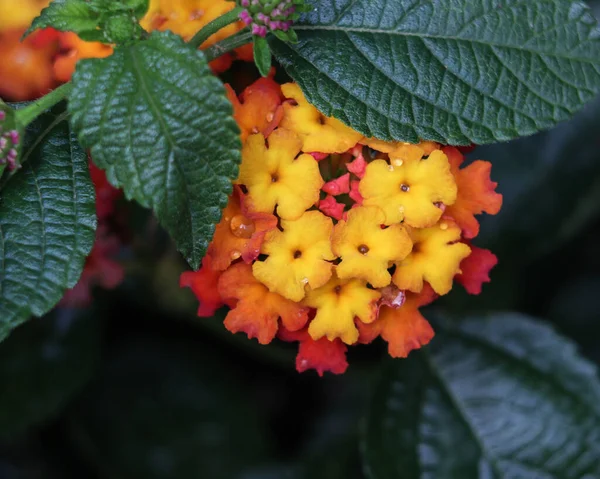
(242, 227)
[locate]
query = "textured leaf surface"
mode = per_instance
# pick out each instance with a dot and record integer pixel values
(47, 223)
(158, 121)
(455, 71)
(496, 397)
(70, 16)
(43, 364)
(89, 18)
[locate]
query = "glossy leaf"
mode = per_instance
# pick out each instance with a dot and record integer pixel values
(496, 397)
(47, 222)
(159, 122)
(454, 71)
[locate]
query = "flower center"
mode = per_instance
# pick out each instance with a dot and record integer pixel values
(297, 254)
(363, 249)
(405, 188)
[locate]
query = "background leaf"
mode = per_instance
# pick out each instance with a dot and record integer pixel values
(158, 121)
(47, 222)
(43, 364)
(500, 396)
(167, 409)
(457, 71)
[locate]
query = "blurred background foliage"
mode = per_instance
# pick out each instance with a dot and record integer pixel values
(139, 387)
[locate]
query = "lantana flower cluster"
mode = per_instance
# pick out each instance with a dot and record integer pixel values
(331, 239)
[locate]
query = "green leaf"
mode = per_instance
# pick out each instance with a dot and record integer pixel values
(501, 396)
(70, 16)
(47, 222)
(159, 122)
(164, 408)
(262, 55)
(458, 72)
(94, 20)
(43, 364)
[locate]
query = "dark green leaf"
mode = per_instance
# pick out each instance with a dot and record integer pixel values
(43, 364)
(169, 409)
(47, 222)
(456, 71)
(159, 122)
(262, 55)
(497, 397)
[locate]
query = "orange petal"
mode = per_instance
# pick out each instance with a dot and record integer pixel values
(258, 108)
(322, 355)
(403, 328)
(475, 269)
(203, 284)
(240, 233)
(255, 310)
(476, 192)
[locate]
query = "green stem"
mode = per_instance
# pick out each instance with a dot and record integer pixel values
(240, 39)
(26, 115)
(214, 26)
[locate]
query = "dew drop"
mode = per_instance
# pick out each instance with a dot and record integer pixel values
(242, 227)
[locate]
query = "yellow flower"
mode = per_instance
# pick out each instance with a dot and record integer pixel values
(435, 258)
(298, 256)
(366, 249)
(409, 188)
(19, 15)
(318, 132)
(337, 304)
(274, 176)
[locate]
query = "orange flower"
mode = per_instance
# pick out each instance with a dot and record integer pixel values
(255, 310)
(203, 284)
(258, 110)
(475, 269)
(76, 49)
(321, 355)
(404, 328)
(239, 234)
(25, 67)
(476, 192)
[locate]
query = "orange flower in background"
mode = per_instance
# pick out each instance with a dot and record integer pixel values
(75, 49)
(26, 70)
(255, 310)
